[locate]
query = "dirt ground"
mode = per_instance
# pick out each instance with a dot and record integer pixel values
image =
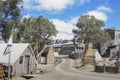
(67, 70)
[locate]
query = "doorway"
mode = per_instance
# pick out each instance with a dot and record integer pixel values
(26, 67)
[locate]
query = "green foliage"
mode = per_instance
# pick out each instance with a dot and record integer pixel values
(37, 31)
(90, 30)
(9, 15)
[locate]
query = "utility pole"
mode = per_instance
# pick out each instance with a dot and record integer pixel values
(10, 44)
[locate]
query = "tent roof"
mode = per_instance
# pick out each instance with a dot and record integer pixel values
(17, 50)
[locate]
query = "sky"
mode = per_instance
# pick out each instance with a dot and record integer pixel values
(65, 13)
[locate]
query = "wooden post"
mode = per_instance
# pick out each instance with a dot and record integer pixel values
(9, 68)
(104, 68)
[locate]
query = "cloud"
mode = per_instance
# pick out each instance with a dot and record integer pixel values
(48, 5)
(104, 8)
(74, 20)
(27, 15)
(64, 29)
(63, 36)
(51, 5)
(63, 26)
(56, 4)
(100, 13)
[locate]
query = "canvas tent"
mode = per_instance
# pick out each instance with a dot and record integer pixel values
(22, 59)
(97, 55)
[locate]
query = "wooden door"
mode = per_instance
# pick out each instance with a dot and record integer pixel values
(26, 67)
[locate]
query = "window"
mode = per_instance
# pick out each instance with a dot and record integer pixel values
(21, 60)
(118, 35)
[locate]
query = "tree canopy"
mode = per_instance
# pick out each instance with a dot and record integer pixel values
(9, 13)
(37, 31)
(91, 29)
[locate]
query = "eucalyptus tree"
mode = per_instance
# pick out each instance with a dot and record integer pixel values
(37, 31)
(9, 15)
(91, 29)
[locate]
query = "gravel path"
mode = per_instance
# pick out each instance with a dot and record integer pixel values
(65, 71)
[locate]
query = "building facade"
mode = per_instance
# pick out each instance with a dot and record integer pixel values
(113, 50)
(115, 36)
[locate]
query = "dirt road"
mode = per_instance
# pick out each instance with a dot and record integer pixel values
(65, 71)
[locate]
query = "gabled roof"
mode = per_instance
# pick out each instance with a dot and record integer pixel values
(17, 50)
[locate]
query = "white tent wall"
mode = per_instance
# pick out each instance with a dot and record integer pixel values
(18, 68)
(22, 58)
(25, 67)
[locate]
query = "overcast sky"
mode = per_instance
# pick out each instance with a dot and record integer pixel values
(65, 13)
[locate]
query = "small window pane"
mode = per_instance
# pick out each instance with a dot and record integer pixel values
(21, 60)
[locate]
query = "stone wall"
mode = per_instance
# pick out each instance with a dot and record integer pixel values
(106, 69)
(50, 56)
